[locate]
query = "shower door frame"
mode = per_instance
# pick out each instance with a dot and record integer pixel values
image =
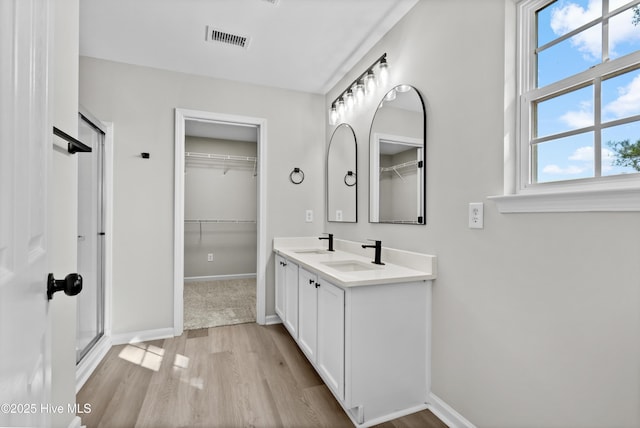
(90, 361)
(96, 244)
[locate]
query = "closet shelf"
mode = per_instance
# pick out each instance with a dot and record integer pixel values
(221, 221)
(225, 160)
(213, 156)
(399, 166)
(396, 168)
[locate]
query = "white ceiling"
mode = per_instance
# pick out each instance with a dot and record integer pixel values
(304, 45)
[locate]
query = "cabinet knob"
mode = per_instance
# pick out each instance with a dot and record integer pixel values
(311, 281)
(317, 284)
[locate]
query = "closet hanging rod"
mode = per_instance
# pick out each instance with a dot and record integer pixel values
(221, 221)
(402, 165)
(214, 156)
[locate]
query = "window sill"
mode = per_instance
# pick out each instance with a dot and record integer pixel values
(627, 199)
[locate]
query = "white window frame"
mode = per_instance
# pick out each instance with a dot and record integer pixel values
(608, 193)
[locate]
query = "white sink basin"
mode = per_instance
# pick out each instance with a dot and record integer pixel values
(351, 265)
(311, 251)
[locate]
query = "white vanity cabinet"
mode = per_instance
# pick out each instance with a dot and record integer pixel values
(365, 328)
(369, 343)
(287, 294)
(321, 328)
(387, 355)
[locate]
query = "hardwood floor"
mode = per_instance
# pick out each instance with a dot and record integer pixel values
(242, 375)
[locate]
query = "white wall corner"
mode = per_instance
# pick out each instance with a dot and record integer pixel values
(272, 319)
(447, 414)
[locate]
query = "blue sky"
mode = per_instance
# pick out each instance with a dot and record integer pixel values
(572, 157)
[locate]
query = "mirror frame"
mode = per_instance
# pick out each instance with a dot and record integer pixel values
(423, 202)
(355, 144)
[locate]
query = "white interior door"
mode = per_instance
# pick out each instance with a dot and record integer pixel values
(25, 152)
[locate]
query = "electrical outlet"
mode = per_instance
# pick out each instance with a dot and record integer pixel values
(210, 257)
(476, 215)
(308, 216)
(338, 215)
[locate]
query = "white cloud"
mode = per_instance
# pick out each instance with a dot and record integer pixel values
(569, 16)
(628, 101)
(577, 119)
(583, 154)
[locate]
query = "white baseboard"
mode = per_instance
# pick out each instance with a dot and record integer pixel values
(219, 277)
(91, 361)
(76, 423)
(447, 414)
(387, 417)
(141, 336)
(272, 319)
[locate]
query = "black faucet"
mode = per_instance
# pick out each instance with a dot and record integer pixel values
(378, 247)
(330, 238)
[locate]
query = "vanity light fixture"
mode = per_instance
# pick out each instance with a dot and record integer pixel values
(356, 91)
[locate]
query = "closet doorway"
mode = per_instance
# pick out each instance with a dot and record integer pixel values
(219, 253)
(220, 240)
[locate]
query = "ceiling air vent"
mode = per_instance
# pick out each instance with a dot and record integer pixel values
(215, 35)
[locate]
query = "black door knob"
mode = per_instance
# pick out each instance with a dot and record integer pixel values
(71, 285)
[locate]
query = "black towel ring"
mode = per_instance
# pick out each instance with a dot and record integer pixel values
(299, 176)
(353, 181)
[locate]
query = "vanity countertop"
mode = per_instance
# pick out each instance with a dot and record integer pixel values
(350, 265)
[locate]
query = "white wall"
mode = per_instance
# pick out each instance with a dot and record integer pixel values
(63, 207)
(536, 318)
(140, 102)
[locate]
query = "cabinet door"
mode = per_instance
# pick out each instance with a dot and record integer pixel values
(291, 298)
(307, 321)
(280, 280)
(330, 350)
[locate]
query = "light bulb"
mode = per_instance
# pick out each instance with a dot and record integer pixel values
(340, 108)
(383, 72)
(359, 91)
(370, 81)
(391, 95)
(333, 115)
(349, 100)
(403, 88)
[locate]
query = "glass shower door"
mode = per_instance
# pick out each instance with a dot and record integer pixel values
(90, 304)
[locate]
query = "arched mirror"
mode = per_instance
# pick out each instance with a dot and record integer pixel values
(397, 144)
(342, 178)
